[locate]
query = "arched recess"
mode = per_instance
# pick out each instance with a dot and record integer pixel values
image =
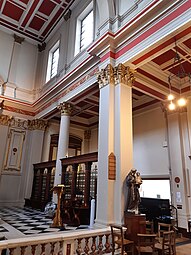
(75, 144)
(106, 10)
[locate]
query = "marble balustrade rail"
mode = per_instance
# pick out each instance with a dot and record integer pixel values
(93, 241)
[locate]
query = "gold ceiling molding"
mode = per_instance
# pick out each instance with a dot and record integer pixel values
(115, 75)
(36, 124)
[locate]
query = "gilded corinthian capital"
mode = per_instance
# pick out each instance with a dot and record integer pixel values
(106, 76)
(65, 108)
(37, 124)
(115, 75)
(123, 74)
(87, 134)
(5, 120)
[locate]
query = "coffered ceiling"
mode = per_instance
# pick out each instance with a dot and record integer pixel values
(151, 86)
(33, 18)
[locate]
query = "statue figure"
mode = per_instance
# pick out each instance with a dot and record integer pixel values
(133, 182)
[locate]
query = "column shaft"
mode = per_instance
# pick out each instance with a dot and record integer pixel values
(62, 147)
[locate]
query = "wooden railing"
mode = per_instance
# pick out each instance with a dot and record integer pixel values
(96, 241)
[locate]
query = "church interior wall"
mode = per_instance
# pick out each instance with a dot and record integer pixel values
(28, 76)
(150, 143)
(18, 69)
(21, 147)
(6, 44)
(12, 178)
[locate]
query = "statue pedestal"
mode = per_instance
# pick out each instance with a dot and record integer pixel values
(57, 221)
(135, 223)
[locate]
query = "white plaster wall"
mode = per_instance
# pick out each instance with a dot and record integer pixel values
(125, 5)
(15, 186)
(103, 10)
(149, 134)
(6, 44)
(33, 156)
(53, 128)
(9, 190)
(26, 61)
(66, 33)
(26, 66)
(11, 182)
(3, 136)
(177, 155)
(94, 140)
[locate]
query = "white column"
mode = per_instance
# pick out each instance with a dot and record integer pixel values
(123, 139)
(115, 136)
(63, 140)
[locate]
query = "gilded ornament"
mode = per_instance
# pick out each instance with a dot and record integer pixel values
(37, 124)
(87, 134)
(65, 108)
(118, 74)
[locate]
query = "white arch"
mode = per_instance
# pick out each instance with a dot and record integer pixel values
(106, 9)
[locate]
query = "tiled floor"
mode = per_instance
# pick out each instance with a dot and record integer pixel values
(16, 222)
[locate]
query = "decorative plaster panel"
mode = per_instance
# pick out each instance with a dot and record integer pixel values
(14, 150)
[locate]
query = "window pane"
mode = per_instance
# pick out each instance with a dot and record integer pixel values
(86, 31)
(152, 189)
(54, 64)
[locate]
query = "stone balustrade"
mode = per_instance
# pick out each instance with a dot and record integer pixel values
(94, 241)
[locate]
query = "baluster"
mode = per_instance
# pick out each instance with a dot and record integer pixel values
(11, 251)
(33, 249)
(86, 248)
(107, 244)
(79, 248)
(43, 246)
(61, 248)
(100, 245)
(23, 249)
(93, 247)
(52, 245)
(68, 249)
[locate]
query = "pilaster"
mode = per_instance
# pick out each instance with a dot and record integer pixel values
(123, 136)
(180, 165)
(115, 136)
(86, 143)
